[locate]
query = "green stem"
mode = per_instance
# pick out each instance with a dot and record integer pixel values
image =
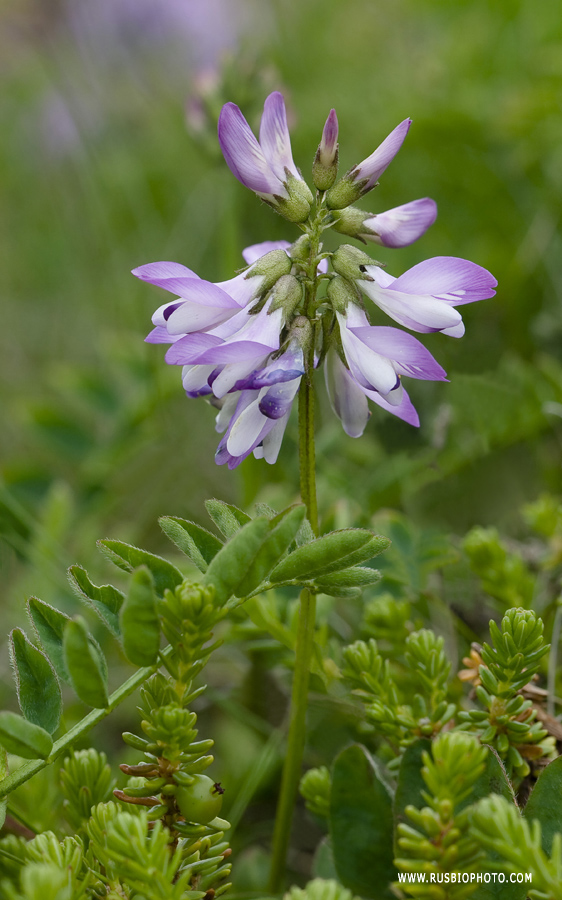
(307, 612)
(28, 770)
(295, 741)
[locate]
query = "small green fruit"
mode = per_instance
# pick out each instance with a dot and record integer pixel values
(200, 802)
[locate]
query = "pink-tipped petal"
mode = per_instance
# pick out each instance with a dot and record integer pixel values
(274, 137)
(375, 164)
(243, 155)
(404, 224)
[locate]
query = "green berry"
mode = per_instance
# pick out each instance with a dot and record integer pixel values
(201, 801)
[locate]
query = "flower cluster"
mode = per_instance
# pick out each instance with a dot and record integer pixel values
(246, 343)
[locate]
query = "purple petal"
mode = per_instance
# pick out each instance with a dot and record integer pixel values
(274, 137)
(269, 446)
(243, 288)
(346, 397)
(375, 164)
(405, 411)
(409, 356)
(228, 378)
(186, 350)
(419, 312)
(278, 399)
(256, 251)
(404, 224)
(234, 352)
(159, 335)
(329, 140)
(448, 278)
(244, 156)
(159, 272)
(371, 370)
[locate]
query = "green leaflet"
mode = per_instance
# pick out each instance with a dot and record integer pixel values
(323, 862)
(410, 783)
(85, 663)
(356, 576)
(329, 553)
(544, 803)
(127, 557)
(232, 563)
(140, 625)
(196, 542)
(283, 529)
(37, 685)
(106, 600)
(228, 519)
(49, 624)
(23, 738)
(361, 824)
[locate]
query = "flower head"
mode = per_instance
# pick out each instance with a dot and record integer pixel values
(245, 344)
(266, 167)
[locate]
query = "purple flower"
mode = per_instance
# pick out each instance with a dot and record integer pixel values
(203, 305)
(364, 176)
(396, 227)
(266, 167)
(377, 358)
(256, 423)
(424, 298)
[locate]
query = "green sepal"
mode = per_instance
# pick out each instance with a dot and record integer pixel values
(138, 620)
(232, 563)
(361, 824)
(23, 738)
(356, 576)
(37, 685)
(127, 557)
(283, 529)
(49, 624)
(85, 663)
(410, 785)
(323, 865)
(200, 545)
(544, 803)
(330, 553)
(228, 519)
(106, 601)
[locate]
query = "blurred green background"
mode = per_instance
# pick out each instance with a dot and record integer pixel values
(109, 159)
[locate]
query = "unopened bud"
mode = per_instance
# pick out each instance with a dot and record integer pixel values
(345, 192)
(271, 267)
(350, 262)
(325, 166)
(340, 294)
(287, 294)
(302, 332)
(296, 208)
(300, 250)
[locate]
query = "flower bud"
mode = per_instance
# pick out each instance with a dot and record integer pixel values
(287, 294)
(296, 208)
(271, 267)
(300, 250)
(350, 262)
(325, 165)
(344, 193)
(340, 294)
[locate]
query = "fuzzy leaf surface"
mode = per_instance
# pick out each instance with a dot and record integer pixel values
(106, 601)
(361, 824)
(49, 623)
(23, 738)
(232, 563)
(197, 543)
(139, 622)
(127, 557)
(228, 519)
(329, 553)
(283, 529)
(86, 664)
(37, 685)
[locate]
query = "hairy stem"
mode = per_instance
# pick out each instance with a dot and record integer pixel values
(29, 769)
